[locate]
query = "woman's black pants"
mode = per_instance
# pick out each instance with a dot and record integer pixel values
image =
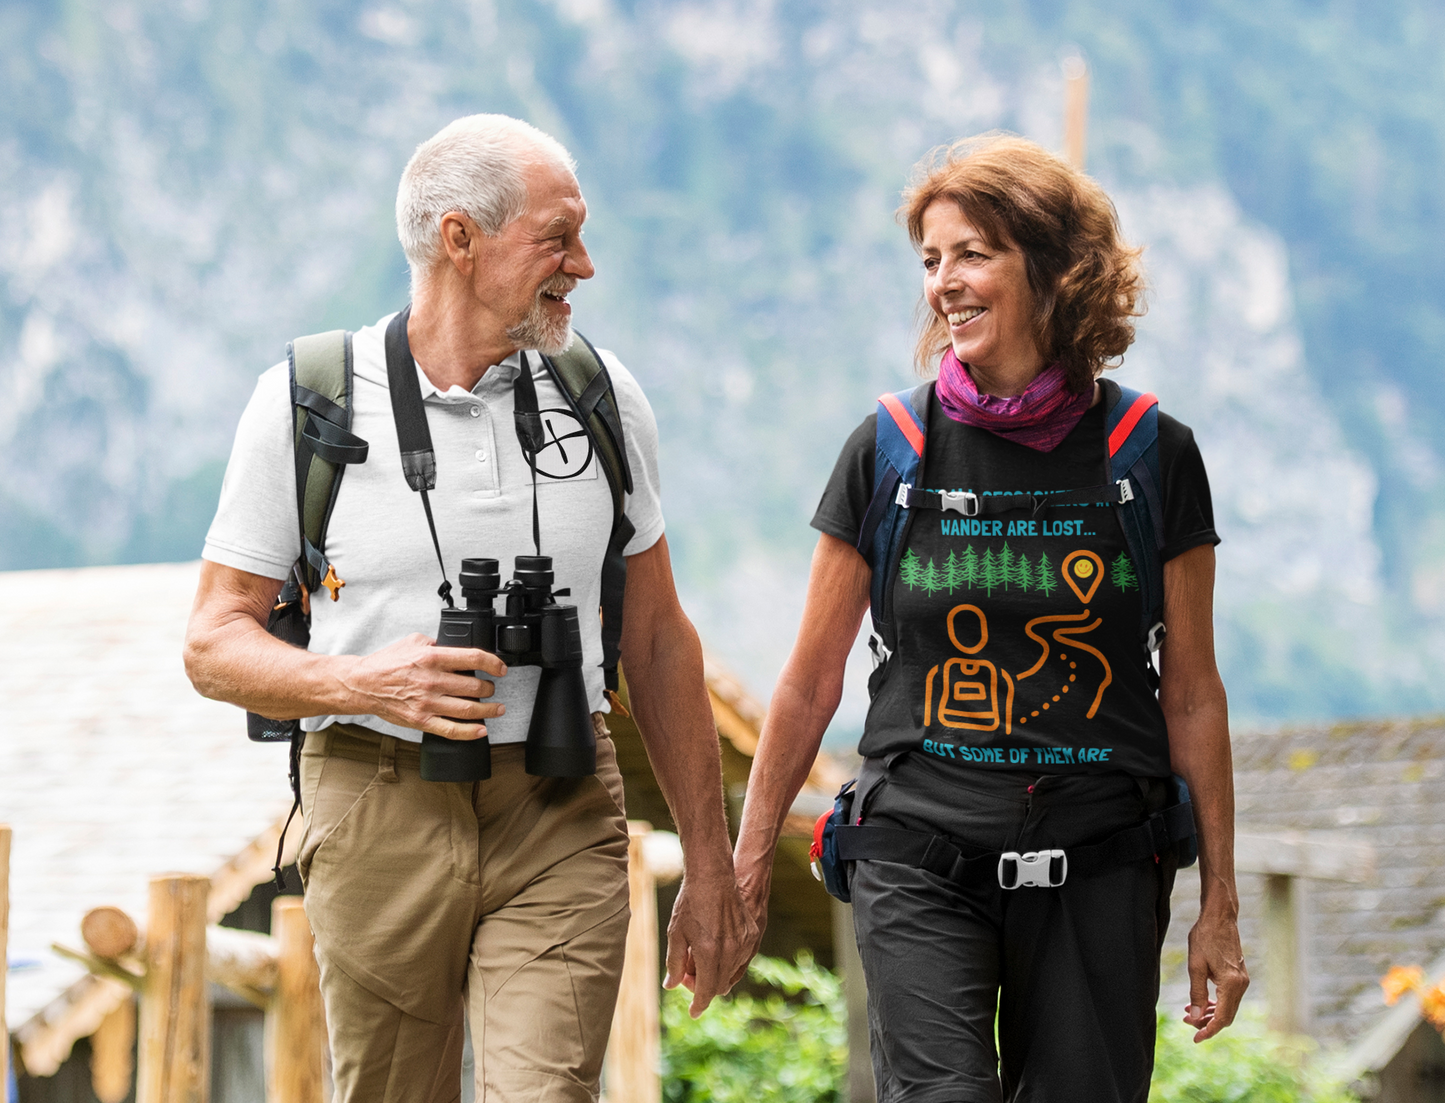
(1072, 972)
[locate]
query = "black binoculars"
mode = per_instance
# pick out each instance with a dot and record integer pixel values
(533, 630)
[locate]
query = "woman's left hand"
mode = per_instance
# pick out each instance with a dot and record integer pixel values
(1215, 956)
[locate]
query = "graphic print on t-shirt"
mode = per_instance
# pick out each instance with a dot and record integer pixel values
(964, 693)
(566, 451)
(1009, 566)
(1021, 628)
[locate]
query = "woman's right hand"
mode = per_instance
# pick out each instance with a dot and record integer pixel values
(807, 694)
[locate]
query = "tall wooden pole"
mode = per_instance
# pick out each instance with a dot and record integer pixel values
(4, 951)
(1076, 110)
(633, 1053)
(175, 1026)
(295, 1021)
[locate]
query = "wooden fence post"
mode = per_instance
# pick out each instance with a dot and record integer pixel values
(175, 1026)
(295, 1021)
(634, 1052)
(4, 951)
(849, 965)
(112, 1054)
(1284, 973)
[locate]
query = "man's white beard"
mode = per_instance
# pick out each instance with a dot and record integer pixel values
(539, 329)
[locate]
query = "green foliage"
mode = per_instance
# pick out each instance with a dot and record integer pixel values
(787, 1046)
(1244, 1064)
(951, 574)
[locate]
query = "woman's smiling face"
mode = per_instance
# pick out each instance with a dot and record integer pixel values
(982, 292)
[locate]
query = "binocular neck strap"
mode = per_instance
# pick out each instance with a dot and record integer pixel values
(413, 435)
(530, 433)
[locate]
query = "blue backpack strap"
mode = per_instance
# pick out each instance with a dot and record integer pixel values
(1131, 433)
(899, 441)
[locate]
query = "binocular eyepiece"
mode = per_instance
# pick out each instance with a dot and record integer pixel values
(530, 630)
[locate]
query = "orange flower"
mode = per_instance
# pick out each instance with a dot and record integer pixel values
(1399, 980)
(1432, 1004)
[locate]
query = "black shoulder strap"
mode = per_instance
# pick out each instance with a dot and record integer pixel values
(583, 379)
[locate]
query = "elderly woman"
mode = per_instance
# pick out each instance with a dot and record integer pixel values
(1014, 705)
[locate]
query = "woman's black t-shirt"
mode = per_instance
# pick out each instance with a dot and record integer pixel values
(1018, 636)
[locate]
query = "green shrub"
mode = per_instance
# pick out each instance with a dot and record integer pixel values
(1244, 1064)
(789, 1045)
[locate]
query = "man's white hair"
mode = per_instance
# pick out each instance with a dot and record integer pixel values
(476, 166)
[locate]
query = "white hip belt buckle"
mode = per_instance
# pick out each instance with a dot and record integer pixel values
(1031, 870)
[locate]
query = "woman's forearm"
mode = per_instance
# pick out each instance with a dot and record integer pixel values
(1200, 753)
(804, 700)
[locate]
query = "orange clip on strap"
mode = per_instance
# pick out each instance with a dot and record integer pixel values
(332, 583)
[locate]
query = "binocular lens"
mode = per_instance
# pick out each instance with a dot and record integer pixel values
(480, 574)
(534, 571)
(455, 759)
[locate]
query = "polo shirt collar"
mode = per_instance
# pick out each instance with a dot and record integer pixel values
(497, 375)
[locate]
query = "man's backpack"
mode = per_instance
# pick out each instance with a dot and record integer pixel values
(321, 403)
(1131, 484)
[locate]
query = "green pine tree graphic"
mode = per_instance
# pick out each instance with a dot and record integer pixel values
(968, 568)
(951, 577)
(1121, 573)
(931, 581)
(910, 571)
(1044, 575)
(1023, 573)
(989, 572)
(1006, 566)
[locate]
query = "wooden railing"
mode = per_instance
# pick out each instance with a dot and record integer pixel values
(170, 962)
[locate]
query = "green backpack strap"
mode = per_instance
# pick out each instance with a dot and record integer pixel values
(323, 444)
(321, 383)
(582, 377)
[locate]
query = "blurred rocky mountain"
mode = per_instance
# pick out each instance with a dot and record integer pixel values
(188, 184)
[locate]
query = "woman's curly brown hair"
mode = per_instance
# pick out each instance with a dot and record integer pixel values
(1086, 282)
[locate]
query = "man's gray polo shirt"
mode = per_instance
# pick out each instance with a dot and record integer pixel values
(378, 539)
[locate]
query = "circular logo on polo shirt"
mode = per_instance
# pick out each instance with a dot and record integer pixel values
(566, 450)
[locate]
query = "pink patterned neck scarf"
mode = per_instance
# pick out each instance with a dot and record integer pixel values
(1040, 418)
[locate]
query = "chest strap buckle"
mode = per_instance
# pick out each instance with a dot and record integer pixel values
(1032, 870)
(960, 501)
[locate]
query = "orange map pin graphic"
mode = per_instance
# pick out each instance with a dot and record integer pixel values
(1081, 569)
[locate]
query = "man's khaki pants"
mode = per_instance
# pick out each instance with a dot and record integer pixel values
(506, 899)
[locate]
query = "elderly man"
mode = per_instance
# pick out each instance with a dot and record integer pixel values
(504, 898)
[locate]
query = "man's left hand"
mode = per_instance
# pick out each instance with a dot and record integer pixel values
(710, 938)
(1215, 956)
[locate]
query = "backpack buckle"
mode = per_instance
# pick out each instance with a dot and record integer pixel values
(1126, 490)
(901, 498)
(1031, 870)
(960, 501)
(1155, 637)
(878, 649)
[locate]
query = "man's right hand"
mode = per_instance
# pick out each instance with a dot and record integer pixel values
(415, 684)
(412, 683)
